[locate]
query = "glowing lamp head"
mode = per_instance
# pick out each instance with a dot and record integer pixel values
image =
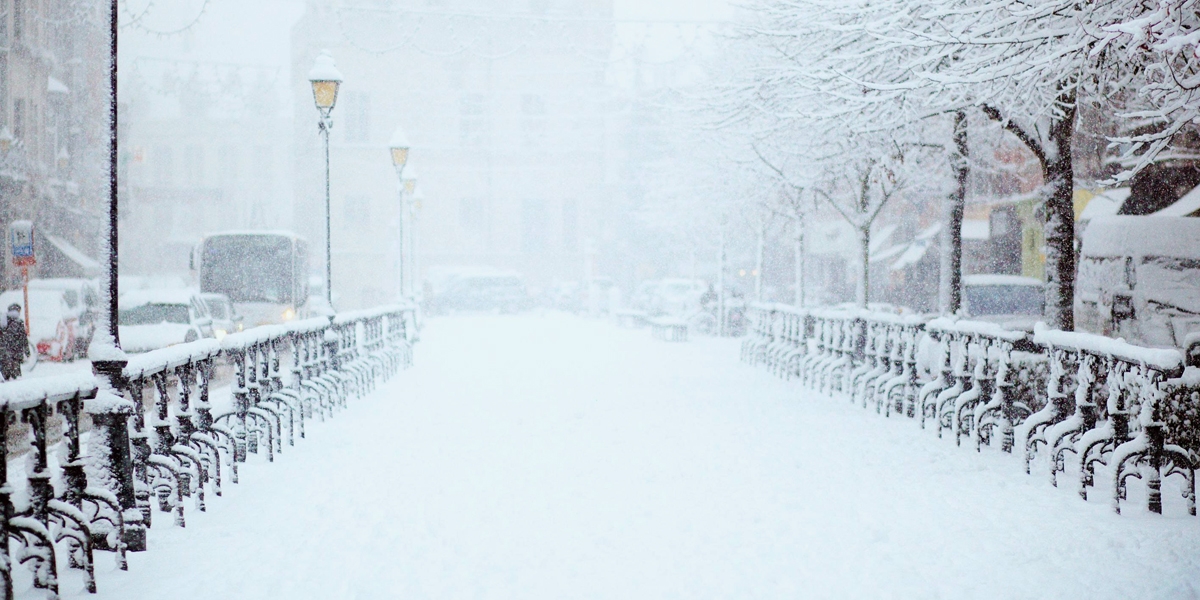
(325, 79)
(399, 147)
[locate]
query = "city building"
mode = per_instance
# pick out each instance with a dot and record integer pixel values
(505, 109)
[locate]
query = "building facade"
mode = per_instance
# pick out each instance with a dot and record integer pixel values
(54, 132)
(505, 110)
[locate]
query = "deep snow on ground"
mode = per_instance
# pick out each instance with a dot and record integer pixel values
(553, 457)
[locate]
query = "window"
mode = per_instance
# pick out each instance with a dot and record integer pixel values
(533, 230)
(193, 158)
(3, 83)
(471, 105)
(570, 224)
(18, 128)
(263, 163)
(357, 211)
(471, 123)
(229, 165)
(3, 23)
(532, 105)
(470, 213)
(164, 166)
(358, 117)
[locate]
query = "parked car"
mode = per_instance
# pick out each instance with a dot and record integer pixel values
(676, 297)
(1139, 279)
(603, 296)
(563, 295)
(1010, 300)
(643, 296)
(153, 319)
(225, 319)
(83, 302)
(504, 292)
(52, 323)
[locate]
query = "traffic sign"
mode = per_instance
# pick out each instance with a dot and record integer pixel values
(20, 233)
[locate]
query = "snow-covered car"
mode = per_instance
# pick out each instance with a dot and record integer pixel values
(225, 319)
(153, 319)
(677, 297)
(51, 322)
(504, 292)
(83, 302)
(1139, 279)
(1012, 301)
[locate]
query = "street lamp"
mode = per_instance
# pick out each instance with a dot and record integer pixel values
(325, 79)
(399, 148)
(408, 184)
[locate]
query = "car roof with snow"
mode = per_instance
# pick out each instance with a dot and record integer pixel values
(990, 279)
(1140, 236)
(137, 298)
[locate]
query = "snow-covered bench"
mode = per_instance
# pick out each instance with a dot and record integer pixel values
(669, 329)
(630, 318)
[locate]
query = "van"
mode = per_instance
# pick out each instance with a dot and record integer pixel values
(1139, 279)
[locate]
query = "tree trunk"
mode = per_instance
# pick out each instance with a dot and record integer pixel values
(951, 271)
(721, 284)
(758, 262)
(799, 261)
(1060, 220)
(863, 292)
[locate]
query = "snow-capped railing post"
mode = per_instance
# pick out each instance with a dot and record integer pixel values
(111, 459)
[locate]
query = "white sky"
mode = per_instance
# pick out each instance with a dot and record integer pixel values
(258, 32)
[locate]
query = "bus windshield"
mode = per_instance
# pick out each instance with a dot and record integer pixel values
(248, 268)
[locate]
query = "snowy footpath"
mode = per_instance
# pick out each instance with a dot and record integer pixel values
(554, 457)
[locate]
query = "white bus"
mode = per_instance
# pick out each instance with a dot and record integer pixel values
(264, 273)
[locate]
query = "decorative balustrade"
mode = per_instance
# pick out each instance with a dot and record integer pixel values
(1075, 399)
(99, 458)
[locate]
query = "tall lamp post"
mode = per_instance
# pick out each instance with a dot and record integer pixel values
(399, 147)
(325, 79)
(409, 185)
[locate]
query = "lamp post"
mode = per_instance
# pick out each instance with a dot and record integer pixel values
(399, 147)
(325, 79)
(408, 184)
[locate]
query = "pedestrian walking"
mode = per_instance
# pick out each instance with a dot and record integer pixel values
(14, 343)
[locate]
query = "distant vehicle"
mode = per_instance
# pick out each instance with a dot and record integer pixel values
(677, 297)
(564, 295)
(603, 296)
(83, 301)
(153, 319)
(643, 296)
(1012, 301)
(504, 292)
(1139, 278)
(264, 273)
(225, 319)
(52, 322)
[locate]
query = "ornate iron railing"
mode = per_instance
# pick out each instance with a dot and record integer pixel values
(101, 456)
(1132, 412)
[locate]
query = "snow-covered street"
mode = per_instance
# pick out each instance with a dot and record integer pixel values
(546, 456)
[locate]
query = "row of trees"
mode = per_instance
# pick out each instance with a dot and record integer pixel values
(848, 104)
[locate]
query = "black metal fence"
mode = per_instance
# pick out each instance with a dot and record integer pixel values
(101, 457)
(1091, 403)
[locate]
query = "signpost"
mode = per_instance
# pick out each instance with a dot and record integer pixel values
(20, 233)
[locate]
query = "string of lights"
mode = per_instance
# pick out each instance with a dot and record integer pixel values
(137, 20)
